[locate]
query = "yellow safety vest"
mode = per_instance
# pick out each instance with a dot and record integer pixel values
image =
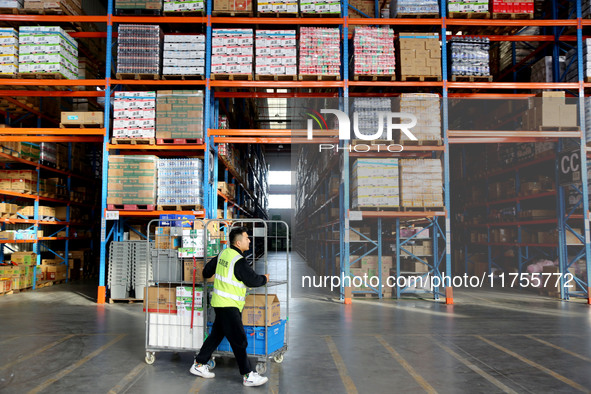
(228, 291)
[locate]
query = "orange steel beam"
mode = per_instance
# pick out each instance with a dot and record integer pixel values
(52, 131)
(54, 18)
(31, 110)
(91, 34)
(491, 95)
(156, 82)
(273, 95)
(280, 21)
(278, 140)
(396, 83)
(497, 140)
(276, 84)
(36, 138)
(518, 38)
(51, 93)
(158, 213)
(395, 21)
(513, 133)
(397, 214)
(507, 22)
(53, 82)
(160, 19)
(270, 132)
(513, 85)
(157, 147)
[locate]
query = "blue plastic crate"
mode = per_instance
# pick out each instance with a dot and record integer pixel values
(256, 339)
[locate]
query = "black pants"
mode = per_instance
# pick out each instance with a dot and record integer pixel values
(228, 323)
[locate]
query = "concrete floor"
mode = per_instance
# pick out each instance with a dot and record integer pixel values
(58, 340)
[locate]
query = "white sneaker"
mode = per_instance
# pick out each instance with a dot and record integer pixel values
(201, 370)
(254, 379)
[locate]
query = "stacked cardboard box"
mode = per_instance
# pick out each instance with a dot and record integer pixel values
(421, 183)
(184, 6)
(8, 51)
(277, 6)
(320, 51)
(512, 7)
(550, 109)
(400, 8)
(179, 114)
(47, 49)
(368, 112)
(71, 7)
(134, 115)
(470, 56)
(374, 51)
(183, 54)
(467, 6)
(375, 183)
(180, 182)
(426, 107)
(541, 71)
(132, 180)
(367, 7)
(232, 51)
(420, 54)
(138, 50)
(138, 4)
(20, 181)
(320, 7)
(82, 118)
(276, 52)
(370, 266)
(244, 6)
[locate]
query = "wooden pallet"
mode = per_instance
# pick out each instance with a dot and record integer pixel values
(472, 78)
(131, 207)
(325, 15)
(420, 209)
(147, 77)
(510, 15)
(421, 143)
(276, 77)
(231, 13)
(420, 78)
(555, 128)
(8, 76)
(136, 12)
(48, 283)
(277, 14)
(40, 76)
(8, 11)
(365, 295)
(9, 292)
(82, 126)
(179, 141)
(183, 77)
(125, 300)
(311, 77)
(185, 13)
(418, 15)
(231, 77)
(469, 15)
(179, 207)
(132, 141)
(370, 77)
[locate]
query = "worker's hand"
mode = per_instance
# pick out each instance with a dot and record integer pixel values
(267, 276)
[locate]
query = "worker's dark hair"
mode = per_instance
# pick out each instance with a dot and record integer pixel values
(235, 233)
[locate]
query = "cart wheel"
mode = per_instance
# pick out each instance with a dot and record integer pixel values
(150, 358)
(211, 363)
(261, 368)
(278, 358)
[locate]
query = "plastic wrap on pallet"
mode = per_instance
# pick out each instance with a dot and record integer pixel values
(374, 51)
(320, 51)
(277, 6)
(47, 49)
(132, 180)
(232, 51)
(402, 7)
(138, 4)
(180, 182)
(470, 56)
(467, 6)
(8, 51)
(366, 109)
(421, 183)
(511, 7)
(138, 49)
(134, 115)
(179, 114)
(183, 54)
(276, 52)
(184, 6)
(320, 7)
(427, 109)
(374, 183)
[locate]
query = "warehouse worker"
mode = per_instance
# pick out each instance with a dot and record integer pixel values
(232, 276)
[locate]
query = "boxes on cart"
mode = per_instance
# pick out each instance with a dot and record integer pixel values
(254, 311)
(257, 336)
(160, 299)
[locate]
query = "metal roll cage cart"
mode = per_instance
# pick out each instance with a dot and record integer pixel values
(165, 332)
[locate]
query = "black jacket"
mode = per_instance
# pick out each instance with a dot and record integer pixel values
(242, 271)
